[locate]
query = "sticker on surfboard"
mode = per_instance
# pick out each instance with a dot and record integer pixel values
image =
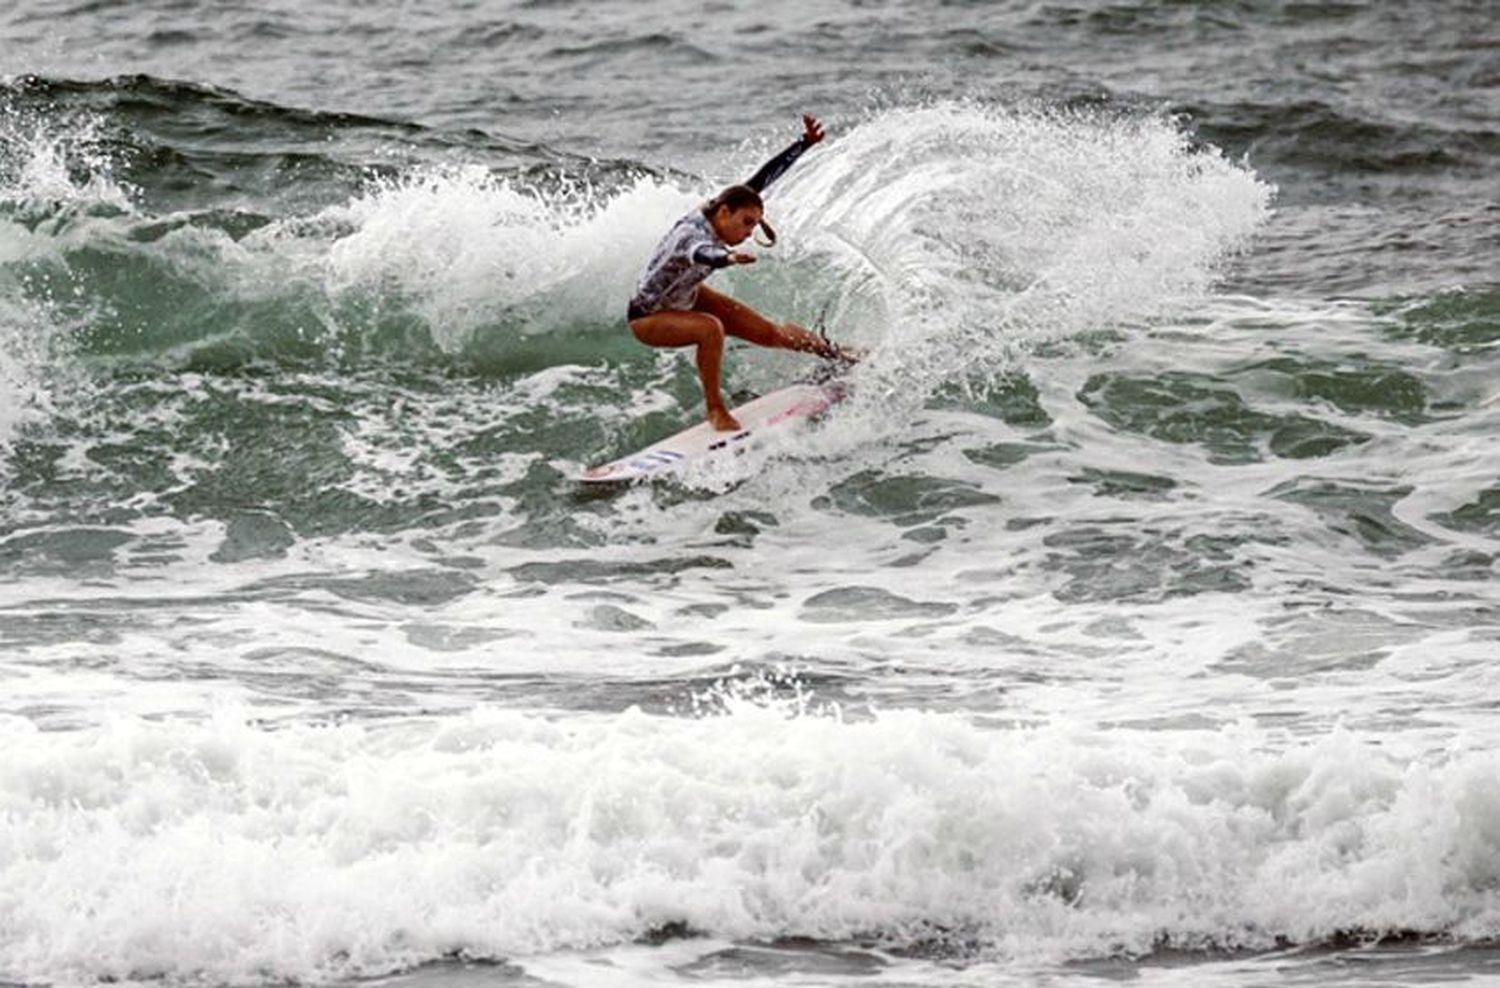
(788, 406)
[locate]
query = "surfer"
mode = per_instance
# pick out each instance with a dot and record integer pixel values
(673, 308)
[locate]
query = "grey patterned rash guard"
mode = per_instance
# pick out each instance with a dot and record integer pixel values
(691, 251)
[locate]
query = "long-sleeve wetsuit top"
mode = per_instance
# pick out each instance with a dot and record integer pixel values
(691, 251)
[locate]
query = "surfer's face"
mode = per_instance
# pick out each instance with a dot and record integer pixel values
(734, 226)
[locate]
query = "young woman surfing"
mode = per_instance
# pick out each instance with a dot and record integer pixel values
(673, 308)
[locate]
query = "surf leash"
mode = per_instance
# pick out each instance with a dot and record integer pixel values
(836, 352)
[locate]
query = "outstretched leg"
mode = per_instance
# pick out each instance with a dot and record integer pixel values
(701, 330)
(741, 321)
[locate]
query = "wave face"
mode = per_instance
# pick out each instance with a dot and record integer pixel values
(1134, 618)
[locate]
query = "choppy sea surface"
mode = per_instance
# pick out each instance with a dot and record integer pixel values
(1136, 619)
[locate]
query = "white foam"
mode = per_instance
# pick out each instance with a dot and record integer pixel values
(224, 852)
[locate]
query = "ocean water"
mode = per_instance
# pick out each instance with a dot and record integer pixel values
(1135, 620)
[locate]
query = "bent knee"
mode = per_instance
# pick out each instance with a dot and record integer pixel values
(678, 329)
(703, 328)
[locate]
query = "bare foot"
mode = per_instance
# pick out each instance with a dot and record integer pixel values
(722, 421)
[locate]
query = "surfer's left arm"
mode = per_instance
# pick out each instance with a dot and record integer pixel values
(778, 166)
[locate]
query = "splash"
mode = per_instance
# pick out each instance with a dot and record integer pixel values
(466, 249)
(50, 163)
(54, 176)
(961, 231)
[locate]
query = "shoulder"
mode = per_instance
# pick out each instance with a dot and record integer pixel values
(693, 228)
(681, 233)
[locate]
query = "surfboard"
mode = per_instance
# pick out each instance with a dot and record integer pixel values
(780, 409)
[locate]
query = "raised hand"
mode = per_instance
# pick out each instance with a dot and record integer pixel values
(813, 132)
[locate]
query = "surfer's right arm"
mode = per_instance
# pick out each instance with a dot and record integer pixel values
(719, 256)
(778, 166)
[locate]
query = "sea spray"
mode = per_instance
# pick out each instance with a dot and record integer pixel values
(963, 231)
(475, 252)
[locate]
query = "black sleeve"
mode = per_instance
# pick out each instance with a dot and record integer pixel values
(713, 256)
(777, 166)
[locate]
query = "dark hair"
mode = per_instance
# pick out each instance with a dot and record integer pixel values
(739, 197)
(732, 198)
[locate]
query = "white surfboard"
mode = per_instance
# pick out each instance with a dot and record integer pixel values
(779, 409)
